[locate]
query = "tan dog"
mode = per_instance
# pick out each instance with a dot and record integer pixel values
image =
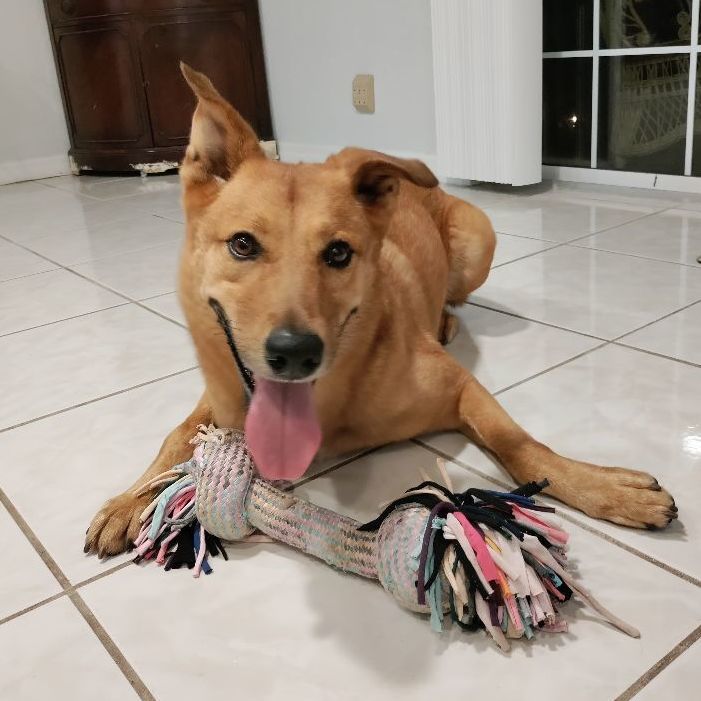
(327, 285)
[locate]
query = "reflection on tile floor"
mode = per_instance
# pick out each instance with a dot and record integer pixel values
(91, 382)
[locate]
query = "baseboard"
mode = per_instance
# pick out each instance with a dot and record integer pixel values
(314, 153)
(650, 181)
(34, 168)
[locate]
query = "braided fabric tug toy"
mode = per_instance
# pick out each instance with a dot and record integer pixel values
(482, 558)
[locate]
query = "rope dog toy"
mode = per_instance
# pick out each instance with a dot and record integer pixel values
(481, 558)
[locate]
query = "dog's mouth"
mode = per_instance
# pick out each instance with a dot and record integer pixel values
(282, 427)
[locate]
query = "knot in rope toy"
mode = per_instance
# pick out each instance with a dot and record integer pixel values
(481, 558)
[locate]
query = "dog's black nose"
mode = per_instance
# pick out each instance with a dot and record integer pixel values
(293, 355)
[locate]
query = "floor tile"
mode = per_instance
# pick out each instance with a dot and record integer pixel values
(677, 336)
(16, 262)
(25, 580)
(162, 203)
(500, 349)
(254, 637)
(16, 193)
(674, 236)
(596, 292)
(82, 184)
(108, 188)
(101, 449)
(140, 232)
(485, 195)
(138, 274)
(613, 193)
(61, 365)
(617, 406)
(679, 682)
(690, 201)
(560, 220)
(168, 305)
(54, 212)
(51, 653)
(41, 299)
(173, 214)
(512, 247)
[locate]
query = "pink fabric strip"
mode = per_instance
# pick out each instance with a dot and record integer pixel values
(459, 533)
(161, 557)
(480, 547)
(553, 589)
(557, 535)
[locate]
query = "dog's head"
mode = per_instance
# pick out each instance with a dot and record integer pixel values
(287, 255)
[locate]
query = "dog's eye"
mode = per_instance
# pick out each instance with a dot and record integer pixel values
(338, 254)
(244, 245)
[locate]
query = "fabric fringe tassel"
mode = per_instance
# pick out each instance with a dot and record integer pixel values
(170, 533)
(504, 562)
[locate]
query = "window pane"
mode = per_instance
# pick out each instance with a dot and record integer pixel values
(642, 113)
(567, 111)
(696, 162)
(629, 23)
(567, 24)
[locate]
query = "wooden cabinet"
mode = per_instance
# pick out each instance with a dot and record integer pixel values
(126, 102)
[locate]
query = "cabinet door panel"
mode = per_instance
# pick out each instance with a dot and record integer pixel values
(104, 90)
(216, 44)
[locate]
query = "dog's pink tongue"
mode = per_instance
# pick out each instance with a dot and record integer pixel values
(282, 428)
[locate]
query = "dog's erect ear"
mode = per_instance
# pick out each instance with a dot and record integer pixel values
(220, 138)
(375, 176)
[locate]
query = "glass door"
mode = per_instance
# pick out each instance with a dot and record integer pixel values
(620, 85)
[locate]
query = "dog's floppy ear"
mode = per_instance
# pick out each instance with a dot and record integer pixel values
(220, 138)
(375, 176)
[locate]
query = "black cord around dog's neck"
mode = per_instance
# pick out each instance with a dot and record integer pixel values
(223, 320)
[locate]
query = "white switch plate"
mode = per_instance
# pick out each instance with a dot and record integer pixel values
(364, 93)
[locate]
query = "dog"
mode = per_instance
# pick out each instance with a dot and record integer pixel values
(318, 297)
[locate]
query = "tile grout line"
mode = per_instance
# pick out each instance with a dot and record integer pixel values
(68, 318)
(61, 594)
(536, 321)
(617, 341)
(551, 367)
(124, 296)
(526, 255)
(632, 255)
(77, 600)
(26, 275)
(97, 399)
(566, 517)
(573, 242)
(41, 182)
(662, 664)
(650, 323)
(332, 468)
(171, 219)
(662, 356)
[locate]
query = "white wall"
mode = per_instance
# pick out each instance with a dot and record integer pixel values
(33, 135)
(313, 48)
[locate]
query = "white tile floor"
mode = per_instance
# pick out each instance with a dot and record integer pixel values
(589, 329)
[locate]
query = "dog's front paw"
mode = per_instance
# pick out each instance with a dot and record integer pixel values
(116, 525)
(628, 498)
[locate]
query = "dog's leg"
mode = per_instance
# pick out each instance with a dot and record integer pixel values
(116, 524)
(620, 495)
